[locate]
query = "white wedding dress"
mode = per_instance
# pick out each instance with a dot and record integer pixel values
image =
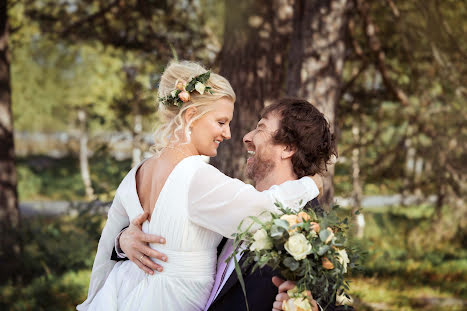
(196, 207)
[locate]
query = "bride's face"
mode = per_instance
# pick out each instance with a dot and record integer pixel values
(214, 127)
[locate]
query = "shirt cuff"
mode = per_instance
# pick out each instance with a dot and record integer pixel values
(118, 250)
(319, 306)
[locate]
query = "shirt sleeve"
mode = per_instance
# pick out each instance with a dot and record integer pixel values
(116, 220)
(219, 203)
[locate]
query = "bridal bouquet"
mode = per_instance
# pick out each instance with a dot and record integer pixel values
(309, 249)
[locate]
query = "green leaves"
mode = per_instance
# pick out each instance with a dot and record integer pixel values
(277, 232)
(323, 249)
(324, 234)
(281, 223)
(291, 263)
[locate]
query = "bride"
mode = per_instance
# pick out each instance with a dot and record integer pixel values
(190, 202)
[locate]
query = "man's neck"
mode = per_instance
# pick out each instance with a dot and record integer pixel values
(275, 177)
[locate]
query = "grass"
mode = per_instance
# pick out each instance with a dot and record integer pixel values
(398, 293)
(410, 266)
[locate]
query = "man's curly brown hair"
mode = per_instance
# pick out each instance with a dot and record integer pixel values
(304, 128)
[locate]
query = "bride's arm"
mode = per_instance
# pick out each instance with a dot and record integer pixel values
(219, 203)
(116, 220)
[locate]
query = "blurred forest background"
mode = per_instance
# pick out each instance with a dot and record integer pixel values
(78, 81)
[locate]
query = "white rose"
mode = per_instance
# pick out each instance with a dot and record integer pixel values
(343, 258)
(296, 304)
(298, 246)
(200, 87)
(173, 93)
(262, 241)
(341, 300)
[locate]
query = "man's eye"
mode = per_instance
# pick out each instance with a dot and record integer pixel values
(221, 123)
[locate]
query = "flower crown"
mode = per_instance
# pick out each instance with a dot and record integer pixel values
(182, 91)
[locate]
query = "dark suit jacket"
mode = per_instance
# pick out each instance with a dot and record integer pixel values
(261, 292)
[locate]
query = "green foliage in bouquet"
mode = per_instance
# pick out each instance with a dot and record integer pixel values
(311, 249)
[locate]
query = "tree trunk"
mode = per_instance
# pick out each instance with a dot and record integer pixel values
(316, 60)
(83, 154)
(358, 220)
(253, 59)
(10, 246)
(408, 178)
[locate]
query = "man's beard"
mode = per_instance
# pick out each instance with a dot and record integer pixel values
(258, 169)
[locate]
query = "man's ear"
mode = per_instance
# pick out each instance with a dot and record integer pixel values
(287, 152)
(190, 113)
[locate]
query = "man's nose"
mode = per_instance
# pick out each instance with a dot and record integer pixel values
(247, 137)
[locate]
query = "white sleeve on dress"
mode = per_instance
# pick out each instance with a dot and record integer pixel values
(116, 220)
(219, 203)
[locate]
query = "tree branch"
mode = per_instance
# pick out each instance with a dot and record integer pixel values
(394, 8)
(89, 18)
(374, 43)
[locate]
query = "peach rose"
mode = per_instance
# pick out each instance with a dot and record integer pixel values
(315, 226)
(184, 96)
(302, 217)
(292, 220)
(327, 264)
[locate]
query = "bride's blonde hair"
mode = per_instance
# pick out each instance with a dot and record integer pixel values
(172, 117)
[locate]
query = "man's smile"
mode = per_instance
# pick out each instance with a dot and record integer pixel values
(251, 155)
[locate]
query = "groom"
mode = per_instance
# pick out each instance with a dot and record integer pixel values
(291, 140)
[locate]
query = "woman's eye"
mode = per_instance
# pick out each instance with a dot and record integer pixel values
(221, 123)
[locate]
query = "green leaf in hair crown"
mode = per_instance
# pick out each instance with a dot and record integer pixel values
(181, 93)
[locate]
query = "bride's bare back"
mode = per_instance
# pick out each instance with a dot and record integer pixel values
(151, 177)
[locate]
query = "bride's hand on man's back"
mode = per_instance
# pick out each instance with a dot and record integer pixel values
(135, 244)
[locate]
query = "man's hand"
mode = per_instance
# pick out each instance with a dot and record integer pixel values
(283, 287)
(319, 183)
(134, 243)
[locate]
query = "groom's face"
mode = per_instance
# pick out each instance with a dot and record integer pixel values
(263, 154)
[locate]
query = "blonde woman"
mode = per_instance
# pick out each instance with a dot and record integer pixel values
(190, 202)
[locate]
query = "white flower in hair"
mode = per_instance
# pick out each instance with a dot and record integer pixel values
(200, 87)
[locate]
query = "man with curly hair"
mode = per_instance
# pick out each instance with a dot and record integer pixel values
(292, 140)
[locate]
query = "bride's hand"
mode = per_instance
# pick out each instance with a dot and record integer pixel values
(135, 244)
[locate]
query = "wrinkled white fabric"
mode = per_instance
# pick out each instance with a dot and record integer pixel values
(197, 205)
